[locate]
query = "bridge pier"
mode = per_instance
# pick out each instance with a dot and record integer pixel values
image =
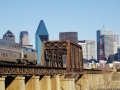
(55, 82)
(32, 83)
(2, 83)
(15, 83)
(45, 83)
(67, 83)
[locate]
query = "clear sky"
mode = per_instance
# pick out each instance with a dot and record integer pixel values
(82, 16)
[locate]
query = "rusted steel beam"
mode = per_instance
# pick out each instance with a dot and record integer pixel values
(54, 51)
(9, 70)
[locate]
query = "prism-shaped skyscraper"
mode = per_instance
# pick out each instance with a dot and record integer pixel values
(40, 36)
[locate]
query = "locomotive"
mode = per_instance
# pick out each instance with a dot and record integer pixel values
(11, 52)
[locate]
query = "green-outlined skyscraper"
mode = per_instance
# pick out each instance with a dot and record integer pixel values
(40, 36)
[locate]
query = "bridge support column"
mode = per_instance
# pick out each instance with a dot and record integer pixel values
(55, 82)
(45, 83)
(81, 84)
(2, 83)
(15, 83)
(32, 83)
(67, 83)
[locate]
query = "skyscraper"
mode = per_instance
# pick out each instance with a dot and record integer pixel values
(106, 43)
(9, 36)
(116, 42)
(88, 47)
(24, 38)
(40, 36)
(118, 53)
(73, 36)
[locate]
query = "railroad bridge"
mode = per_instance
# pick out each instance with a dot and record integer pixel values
(61, 68)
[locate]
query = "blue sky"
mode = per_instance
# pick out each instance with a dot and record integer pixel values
(82, 16)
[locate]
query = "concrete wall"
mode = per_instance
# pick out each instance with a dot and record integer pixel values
(93, 81)
(56, 82)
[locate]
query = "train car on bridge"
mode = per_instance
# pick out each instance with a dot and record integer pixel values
(11, 52)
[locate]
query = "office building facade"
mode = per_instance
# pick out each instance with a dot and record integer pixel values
(119, 53)
(73, 36)
(88, 47)
(24, 38)
(40, 36)
(9, 36)
(106, 44)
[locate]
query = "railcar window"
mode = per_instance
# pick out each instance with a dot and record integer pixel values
(3, 44)
(18, 47)
(25, 49)
(3, 54)
(20, 55)
(6, 55)
(15, 46)
(12, 46)
(29, 49)
(25, 56)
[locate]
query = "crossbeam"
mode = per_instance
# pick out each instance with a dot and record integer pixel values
(9, 70)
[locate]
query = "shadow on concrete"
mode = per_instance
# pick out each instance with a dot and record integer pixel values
(41, 76)
(8, 81)
(27, 78)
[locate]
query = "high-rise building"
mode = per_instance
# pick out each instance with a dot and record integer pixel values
(116, 42)
(84, 49)
(40, 36)
(73, 36)
(116, 38)
(9, 36)
(88, 47)
(106, 43)
(119, 53)
(24, 38)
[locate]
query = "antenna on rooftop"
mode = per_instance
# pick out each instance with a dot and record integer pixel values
(103, 26)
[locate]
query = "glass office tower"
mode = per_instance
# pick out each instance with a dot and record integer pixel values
(40, 36)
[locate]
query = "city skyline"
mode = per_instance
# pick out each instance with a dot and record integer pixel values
(84, 17)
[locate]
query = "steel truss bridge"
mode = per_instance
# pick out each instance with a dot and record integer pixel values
(52, 61)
